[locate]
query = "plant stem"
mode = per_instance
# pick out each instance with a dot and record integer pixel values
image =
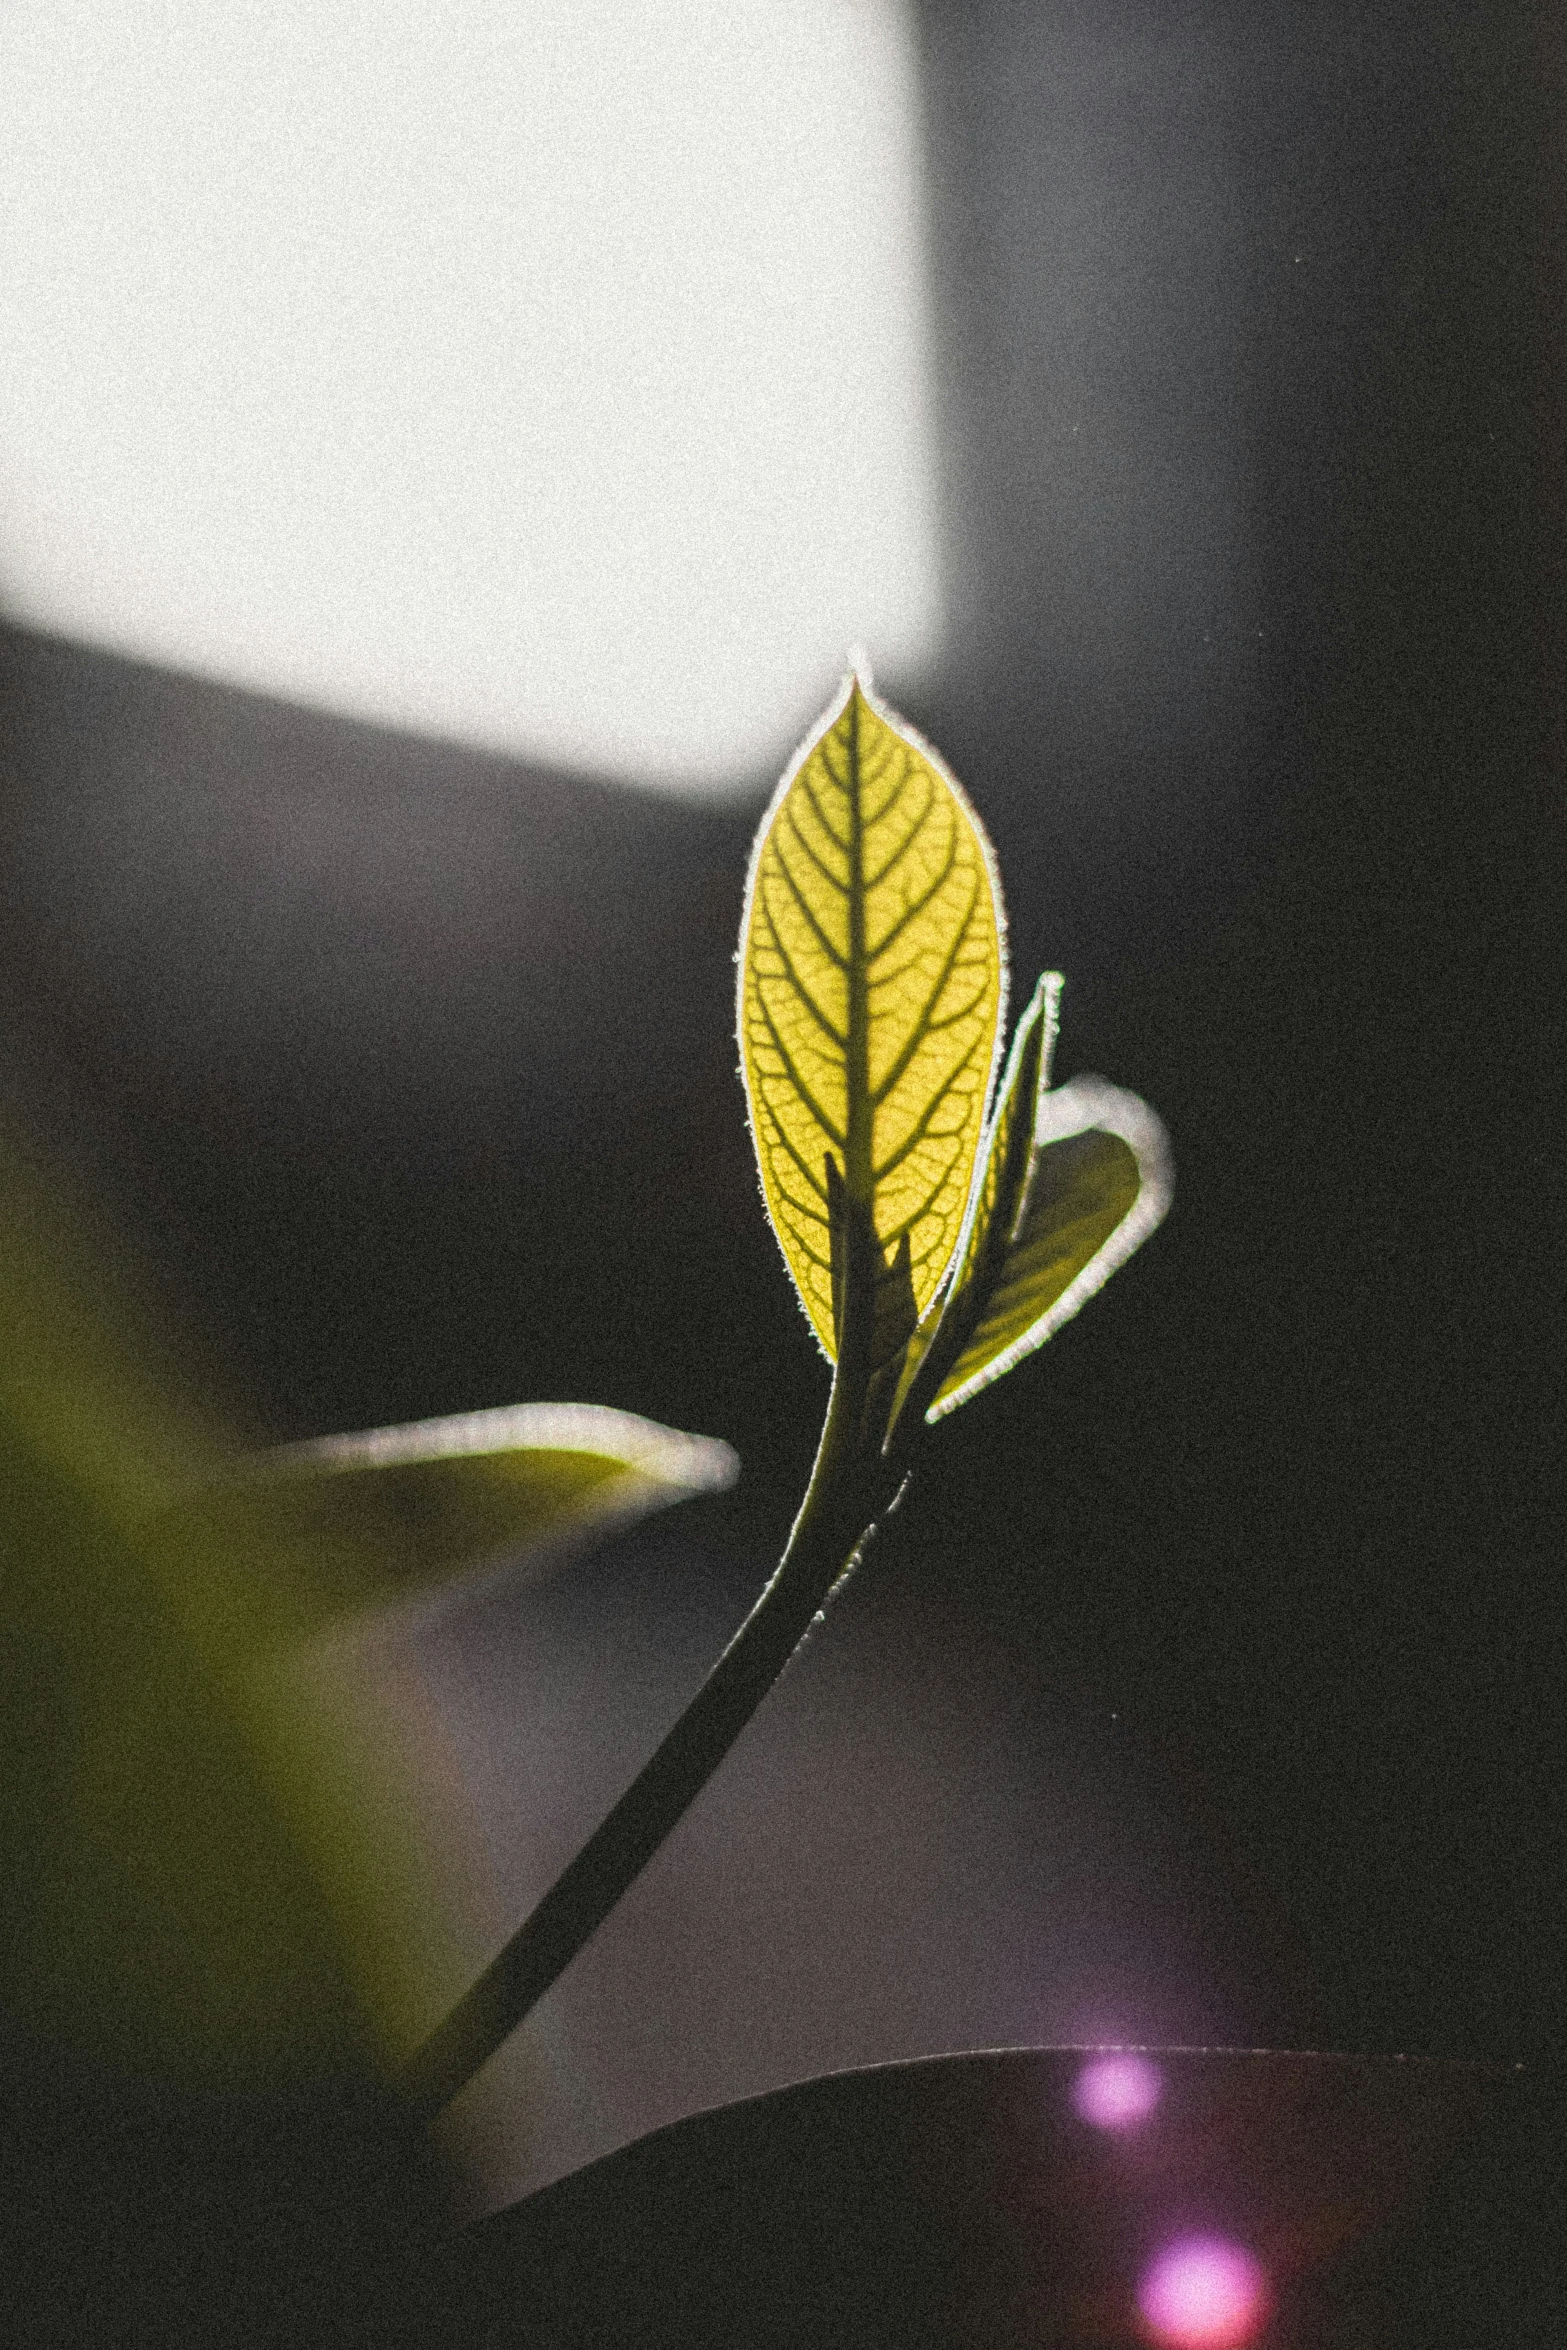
(836, 1519)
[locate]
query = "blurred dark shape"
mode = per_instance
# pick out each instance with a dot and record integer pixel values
(136, 2214)
(194, 2145)
(962, 2205)
(1252, 366)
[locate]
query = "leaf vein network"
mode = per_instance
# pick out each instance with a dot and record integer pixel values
(781, 1137)
(921, 1129)
(811, 1255)
(913, 911)
(835, 881)
(893, 978)
(872, 819)
(791, 1071)
(842, 783)
(905, 845)
(923, 1021)
(798, 984)
(801, 1207)
(934, 1027)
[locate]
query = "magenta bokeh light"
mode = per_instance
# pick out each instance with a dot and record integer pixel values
(1118, 2090)
(1204, 2293)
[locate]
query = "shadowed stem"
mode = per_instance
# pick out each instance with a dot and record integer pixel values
(846, 1496)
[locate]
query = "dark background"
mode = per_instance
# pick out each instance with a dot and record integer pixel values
(417, 1068)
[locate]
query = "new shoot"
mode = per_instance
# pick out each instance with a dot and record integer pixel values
(941, 1212)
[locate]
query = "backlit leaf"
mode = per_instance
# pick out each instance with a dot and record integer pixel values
(871, 986)
(367, 1517)
(345, 1522)
(1098, 1182)
(1002, 1169)
(1000, 1175)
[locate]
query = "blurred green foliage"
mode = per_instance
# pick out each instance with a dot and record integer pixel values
(213, 1873)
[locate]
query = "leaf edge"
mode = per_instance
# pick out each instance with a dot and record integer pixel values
(1081, 1106)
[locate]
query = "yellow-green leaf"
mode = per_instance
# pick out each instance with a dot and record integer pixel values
(1000, 1174)
(1098, 1183)
(369, 1516)
(1002, 1168)
(871, 985)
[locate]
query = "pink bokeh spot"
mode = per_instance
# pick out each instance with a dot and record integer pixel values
(1118, 2090)
(1204, 2293)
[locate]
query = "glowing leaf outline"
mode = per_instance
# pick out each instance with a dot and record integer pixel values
(666, 1456)
(826, 1121)
(384, 1514)
(1001, 1169)
(1086, 1105)
(1042, 1013)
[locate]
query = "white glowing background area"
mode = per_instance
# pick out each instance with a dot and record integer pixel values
(549, 376)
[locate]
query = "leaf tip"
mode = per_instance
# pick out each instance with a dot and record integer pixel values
(1047, 995)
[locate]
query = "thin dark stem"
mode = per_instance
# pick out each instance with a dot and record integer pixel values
(837, 1518)
(851, 1486)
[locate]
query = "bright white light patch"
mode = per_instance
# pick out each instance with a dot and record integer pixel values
(549, 377)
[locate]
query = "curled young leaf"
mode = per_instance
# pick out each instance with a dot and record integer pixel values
(871, 986)
(1098, 1182)
(1004, 1160)
(1000, 1174)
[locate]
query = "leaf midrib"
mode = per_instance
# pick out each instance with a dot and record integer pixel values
(860, 1109)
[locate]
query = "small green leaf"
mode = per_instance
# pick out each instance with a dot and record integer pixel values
(871, 984)
(368, 1517)
(347, 1522)
(1098, 1182)
(999, 1177)
(1005, 1156)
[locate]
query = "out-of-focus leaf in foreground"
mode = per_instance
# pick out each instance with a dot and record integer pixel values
(209, 1808)
(372, 1516)
(345, 1524)
(870, 1003)
(1097, 1182)
(159, 1916)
